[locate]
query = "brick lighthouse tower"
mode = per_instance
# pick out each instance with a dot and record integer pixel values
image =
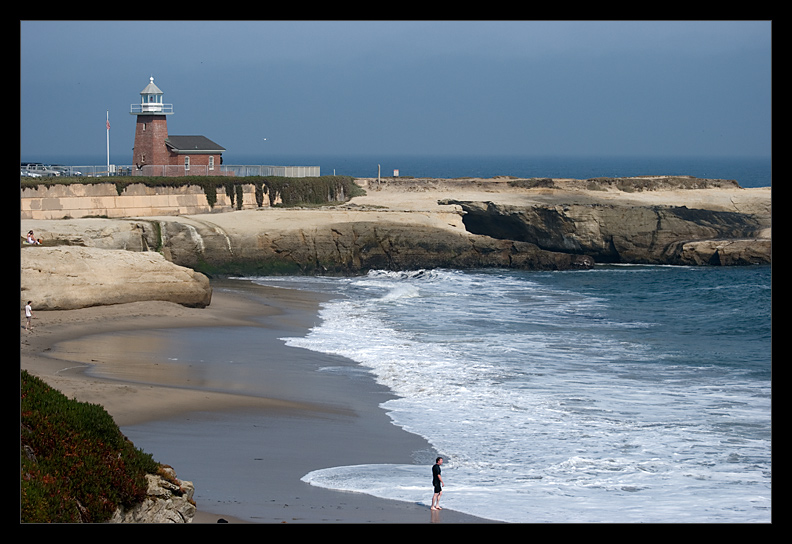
(151, 130)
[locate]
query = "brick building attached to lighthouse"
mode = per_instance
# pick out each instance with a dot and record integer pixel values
(157, 154)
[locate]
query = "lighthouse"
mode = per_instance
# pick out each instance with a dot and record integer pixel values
(156, 153)
(151, 129)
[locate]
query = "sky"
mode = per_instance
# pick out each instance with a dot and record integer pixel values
(486, 88)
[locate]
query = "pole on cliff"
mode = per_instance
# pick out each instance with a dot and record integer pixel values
(107, 124)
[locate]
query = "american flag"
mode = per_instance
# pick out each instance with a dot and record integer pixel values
(108, 124)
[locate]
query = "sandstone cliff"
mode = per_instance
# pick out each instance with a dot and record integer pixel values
(343, 242)
(403, 224)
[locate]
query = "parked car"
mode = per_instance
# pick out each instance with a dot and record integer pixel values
(41, 169)
(66, 171)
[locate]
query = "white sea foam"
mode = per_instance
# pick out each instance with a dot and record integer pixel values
(549, 402)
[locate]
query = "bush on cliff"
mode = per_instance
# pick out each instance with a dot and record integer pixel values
(283, 190)
(301, 191)
(76, 465)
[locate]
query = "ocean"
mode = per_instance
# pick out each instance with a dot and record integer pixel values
(748, 171)
(618, 394)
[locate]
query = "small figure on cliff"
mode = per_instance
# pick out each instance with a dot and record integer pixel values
(437, 482)
(32, 239)
(28, 316)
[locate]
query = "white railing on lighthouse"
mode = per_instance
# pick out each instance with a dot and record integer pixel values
(152, 108)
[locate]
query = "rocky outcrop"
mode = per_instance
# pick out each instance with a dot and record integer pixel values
(351, 247)
(727, 252)
(63, 278)
(168, 500)
(627, 234)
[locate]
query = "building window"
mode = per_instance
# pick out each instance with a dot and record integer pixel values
(211, 162)
(187, 162)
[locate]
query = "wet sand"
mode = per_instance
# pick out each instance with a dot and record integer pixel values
(244, 443)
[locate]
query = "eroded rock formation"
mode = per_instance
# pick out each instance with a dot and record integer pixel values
(69, 277)
(351, 247)
(627, 234)
(168, 500)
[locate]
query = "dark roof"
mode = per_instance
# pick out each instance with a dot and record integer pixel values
(192, 144)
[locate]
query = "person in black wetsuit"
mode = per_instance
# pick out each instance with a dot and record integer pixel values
(437, 482)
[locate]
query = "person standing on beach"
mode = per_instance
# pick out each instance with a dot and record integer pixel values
(28, 317)
(437, 482)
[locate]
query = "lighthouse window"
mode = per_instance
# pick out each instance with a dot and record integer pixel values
(211, 162)
(187, 163)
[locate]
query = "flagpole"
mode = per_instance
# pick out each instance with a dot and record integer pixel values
(108, 142)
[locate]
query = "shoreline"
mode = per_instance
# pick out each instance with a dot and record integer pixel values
(312, 420)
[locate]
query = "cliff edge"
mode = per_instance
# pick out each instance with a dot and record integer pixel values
(539, 224)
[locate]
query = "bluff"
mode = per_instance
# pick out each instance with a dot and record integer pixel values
(340, 242)
(500, 222)
(406, 224)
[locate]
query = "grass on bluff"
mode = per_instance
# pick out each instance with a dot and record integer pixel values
(76, 465)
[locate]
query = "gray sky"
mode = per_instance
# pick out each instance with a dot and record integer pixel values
(617, 88)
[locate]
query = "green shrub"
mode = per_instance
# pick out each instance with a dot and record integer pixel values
(76, 465)
(290, 191)
(308, 191)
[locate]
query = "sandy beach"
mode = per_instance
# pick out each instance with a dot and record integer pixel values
(295, 421)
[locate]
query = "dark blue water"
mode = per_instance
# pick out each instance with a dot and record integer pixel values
(748, 171)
